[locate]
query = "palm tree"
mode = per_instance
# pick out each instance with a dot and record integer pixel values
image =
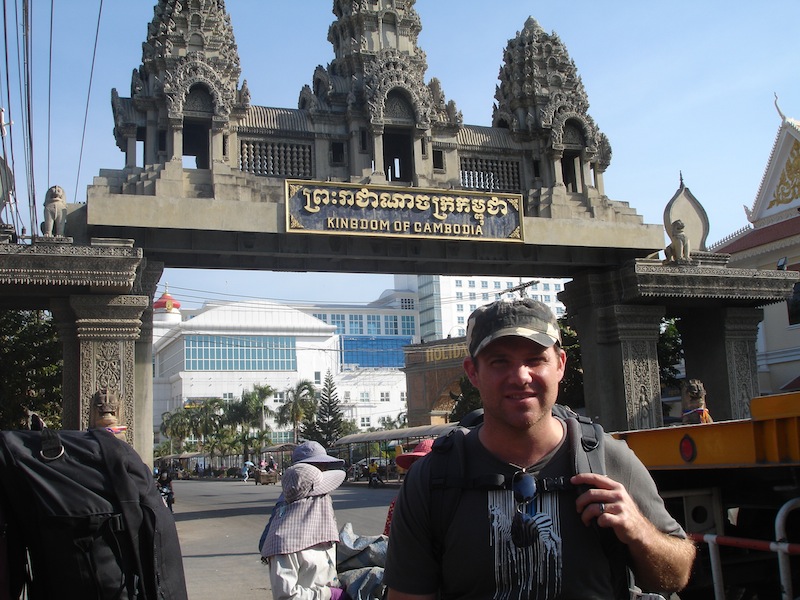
(300, 404)
(250, 414)
(176, 425)
(207, 418)
(251, 410)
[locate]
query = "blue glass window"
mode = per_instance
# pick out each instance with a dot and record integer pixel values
(374, 351)
(240, 353)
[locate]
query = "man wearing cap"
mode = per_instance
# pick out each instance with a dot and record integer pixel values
(516, 362)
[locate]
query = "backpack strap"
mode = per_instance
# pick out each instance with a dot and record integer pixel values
(586, 445)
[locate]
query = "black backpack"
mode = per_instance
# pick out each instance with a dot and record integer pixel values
(80, 517)
(450, 476)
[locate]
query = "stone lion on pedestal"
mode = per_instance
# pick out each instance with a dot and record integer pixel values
(693, 403)
(55, 212)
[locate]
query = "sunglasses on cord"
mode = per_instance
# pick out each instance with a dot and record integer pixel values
(528, 526)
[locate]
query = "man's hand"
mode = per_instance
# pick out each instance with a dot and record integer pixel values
(660, 561)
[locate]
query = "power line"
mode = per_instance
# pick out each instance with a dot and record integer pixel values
(88, 97)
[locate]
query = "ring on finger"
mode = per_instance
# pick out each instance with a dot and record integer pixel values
(602, 508)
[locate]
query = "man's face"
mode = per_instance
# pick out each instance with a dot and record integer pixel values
(518, 380)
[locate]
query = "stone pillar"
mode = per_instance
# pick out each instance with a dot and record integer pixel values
(130, 151)
(146, 282)
(377, 136)
(558, 174)
(586, 176)
(106, 328)
(175, 140)
(151, 138)
(216, 142)
(599, 182)
(720, 350)
(618, 352)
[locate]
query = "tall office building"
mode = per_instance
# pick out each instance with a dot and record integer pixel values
(445, 302)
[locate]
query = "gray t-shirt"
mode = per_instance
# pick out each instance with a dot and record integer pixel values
(479, 559)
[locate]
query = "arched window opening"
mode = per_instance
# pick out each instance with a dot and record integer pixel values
(197, 113)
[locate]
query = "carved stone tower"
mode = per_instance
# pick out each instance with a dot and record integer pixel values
(542, 100)
(377, 80)
(187, 86)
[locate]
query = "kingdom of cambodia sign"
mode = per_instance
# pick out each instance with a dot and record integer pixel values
(369, 210)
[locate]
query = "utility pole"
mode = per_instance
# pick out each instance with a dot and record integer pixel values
(521, 287)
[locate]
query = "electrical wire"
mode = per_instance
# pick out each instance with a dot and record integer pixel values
(26, 87)
(88, 97)
(50, 92)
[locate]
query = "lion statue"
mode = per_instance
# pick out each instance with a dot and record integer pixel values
(693, 403)
(106, 405)
(679, 250)
(55, 212)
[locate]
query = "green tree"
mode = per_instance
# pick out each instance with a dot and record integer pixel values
(670, 353)
(468, 400)
(177, 426)
(570, 390)
(249, 415)
(300, 405)
(206, 418)
(30, 369)
(326, 425)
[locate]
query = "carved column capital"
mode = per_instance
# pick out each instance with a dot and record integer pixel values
(106, 328)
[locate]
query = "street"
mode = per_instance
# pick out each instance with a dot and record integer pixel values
(220, 522)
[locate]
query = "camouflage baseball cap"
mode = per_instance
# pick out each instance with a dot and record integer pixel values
(521, 317)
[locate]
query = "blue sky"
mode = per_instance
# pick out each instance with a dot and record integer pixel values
(679, 86)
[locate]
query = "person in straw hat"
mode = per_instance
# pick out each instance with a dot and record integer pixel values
(309, 452)
(300, 547)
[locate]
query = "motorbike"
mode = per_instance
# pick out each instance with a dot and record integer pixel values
(374, 480)
(167, 495)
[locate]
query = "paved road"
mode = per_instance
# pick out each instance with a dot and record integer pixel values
(220, 522)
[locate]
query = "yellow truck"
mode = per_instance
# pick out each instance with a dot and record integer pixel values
(735, 487)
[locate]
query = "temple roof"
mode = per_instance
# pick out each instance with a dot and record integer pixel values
(282, 119)
(753, 238)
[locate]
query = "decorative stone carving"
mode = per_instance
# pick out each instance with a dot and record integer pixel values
(55, 212)
(679, 250)
(684, 207)
(693, 403)
(540, 90)
(392, 70)
(106, 408)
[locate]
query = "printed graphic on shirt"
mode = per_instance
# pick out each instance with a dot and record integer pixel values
(528, 572)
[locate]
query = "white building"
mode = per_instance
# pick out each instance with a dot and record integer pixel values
(445, 302)
(224, 349)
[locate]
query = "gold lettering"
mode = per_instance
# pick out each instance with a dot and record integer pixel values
(444, 206)
(366, 198)
(478, 206)
(422, 202)
(497, 206)
(314, 198)
(463, 204)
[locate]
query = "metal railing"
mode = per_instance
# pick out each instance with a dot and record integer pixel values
(783, 548)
